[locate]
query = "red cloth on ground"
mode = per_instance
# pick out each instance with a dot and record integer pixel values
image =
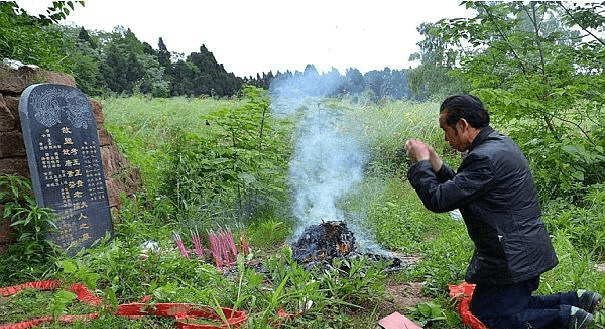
(464, 293)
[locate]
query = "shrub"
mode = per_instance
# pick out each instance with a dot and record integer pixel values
(31, 223)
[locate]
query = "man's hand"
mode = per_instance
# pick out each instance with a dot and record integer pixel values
(435, 160)
(419, 151)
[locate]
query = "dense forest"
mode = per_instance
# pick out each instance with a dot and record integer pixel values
(117, 62)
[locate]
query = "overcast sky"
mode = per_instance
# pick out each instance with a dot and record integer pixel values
(254, 36)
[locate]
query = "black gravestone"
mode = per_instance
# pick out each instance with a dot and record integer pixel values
(65, 164)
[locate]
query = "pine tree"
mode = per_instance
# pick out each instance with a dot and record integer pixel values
(163, 54)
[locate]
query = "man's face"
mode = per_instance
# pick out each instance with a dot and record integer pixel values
(452, 136)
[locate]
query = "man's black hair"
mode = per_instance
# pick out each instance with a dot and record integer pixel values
(467, 107)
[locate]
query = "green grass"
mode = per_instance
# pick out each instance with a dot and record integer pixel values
(143, 126)
(385, 206)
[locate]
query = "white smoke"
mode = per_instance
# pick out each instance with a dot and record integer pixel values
(327, 162)
(323, 169)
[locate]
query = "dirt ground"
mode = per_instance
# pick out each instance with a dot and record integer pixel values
(405, 295)
(402, 295)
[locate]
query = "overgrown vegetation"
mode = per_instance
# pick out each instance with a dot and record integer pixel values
(351, 293)
(31, 256)
(209, 163)
(33, 39)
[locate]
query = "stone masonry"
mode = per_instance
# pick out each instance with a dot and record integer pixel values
(119, 176)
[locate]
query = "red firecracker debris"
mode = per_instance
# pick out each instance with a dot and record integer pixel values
(181, 312)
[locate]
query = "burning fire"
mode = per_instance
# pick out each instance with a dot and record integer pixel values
(324, 242)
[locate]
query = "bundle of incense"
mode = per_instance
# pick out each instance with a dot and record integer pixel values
(229, 238)
(215, 248)
(181, 245)
(195, 237)
(224, 247)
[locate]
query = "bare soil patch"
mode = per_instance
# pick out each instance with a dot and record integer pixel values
(406, 294)
(400, 296)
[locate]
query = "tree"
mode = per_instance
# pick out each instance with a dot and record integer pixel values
(163, 55)
(134, 73)
(116, 61)
(538, 74)
(210, 77)
(84, 37)
(355, 83)
(399, 85)
(311, 71)
(31, 39)
(114, 69)
(183, 78)
(432, 78)
(518, 48)
(376, 83)
(84, 59)
(131, 66)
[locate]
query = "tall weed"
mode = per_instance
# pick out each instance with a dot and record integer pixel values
(584, 225)
(205, 161)
(202, 159)
(29, 256)
(232, 172)
(141, 126)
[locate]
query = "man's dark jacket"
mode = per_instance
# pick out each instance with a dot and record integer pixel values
(495, 193)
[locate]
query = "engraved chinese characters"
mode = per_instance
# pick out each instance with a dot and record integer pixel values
(65, 162)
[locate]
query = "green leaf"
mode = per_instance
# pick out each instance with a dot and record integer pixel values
(574, 149)
(68, 266)
(579, 175)
(247, 178)
(425, 309)
(61, 299)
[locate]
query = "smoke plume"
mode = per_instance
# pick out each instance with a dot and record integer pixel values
(327, 162)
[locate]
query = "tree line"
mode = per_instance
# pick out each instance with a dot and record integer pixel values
(117, 62)
(122, 64)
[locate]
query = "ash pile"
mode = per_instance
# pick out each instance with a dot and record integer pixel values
(320, 244)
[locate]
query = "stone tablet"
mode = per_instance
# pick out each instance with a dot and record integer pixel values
(65, 164)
